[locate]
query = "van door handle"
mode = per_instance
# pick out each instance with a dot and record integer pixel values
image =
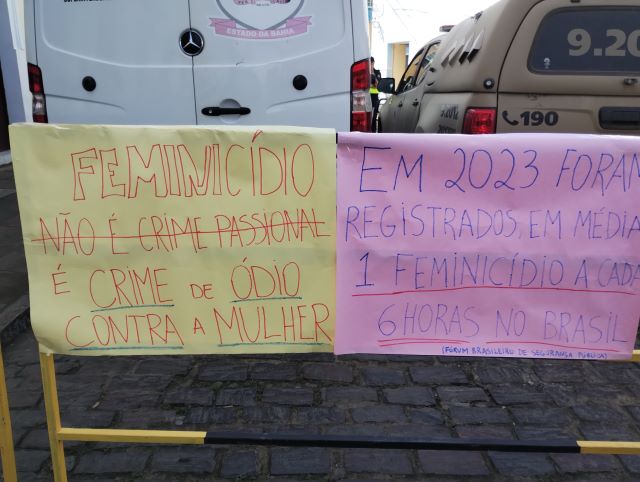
(216, 111)
(400, 104)
(415, 102)
(621, 118)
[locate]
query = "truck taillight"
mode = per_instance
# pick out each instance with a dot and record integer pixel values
(36, 87)
(361, 106)
(479, 121)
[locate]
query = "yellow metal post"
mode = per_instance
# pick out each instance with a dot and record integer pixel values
(636, 356)
(6, 435)
(53, 416)
(133, 436)
(609, 448)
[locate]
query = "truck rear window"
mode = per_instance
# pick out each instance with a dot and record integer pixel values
(587, 40)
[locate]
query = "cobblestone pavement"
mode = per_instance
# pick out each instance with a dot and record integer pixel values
(399, 396)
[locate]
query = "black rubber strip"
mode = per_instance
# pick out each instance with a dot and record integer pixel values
(344, 441)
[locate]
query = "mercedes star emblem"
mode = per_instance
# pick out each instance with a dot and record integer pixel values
(191, 42)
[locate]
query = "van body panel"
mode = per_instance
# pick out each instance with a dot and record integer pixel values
(443, 113)
(402, 110)
(258, 73)
(564, 113)
(540, 93)
(492, 28)
(141, 75)
(30, 31)
(283, 62)
(517, 76)
(360, 29)
(395, 112)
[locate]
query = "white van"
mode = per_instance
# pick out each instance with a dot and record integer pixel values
(278, 62)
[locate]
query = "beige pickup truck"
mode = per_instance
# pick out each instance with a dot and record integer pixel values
(525, 66)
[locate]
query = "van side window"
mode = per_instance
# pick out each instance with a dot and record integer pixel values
(432, 50)
(408, 81)
(587, 40)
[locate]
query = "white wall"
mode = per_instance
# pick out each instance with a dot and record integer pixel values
(414, 22)
(14, 61)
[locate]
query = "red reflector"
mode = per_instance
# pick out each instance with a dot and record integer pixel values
(361, 75)
(39, 108)
(361, 121)
(35, 78)
(361, 106)
(479, 121)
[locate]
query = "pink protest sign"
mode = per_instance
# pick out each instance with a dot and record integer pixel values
(501, 245)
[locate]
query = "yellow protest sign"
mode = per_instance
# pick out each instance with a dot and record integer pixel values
(168, 240)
